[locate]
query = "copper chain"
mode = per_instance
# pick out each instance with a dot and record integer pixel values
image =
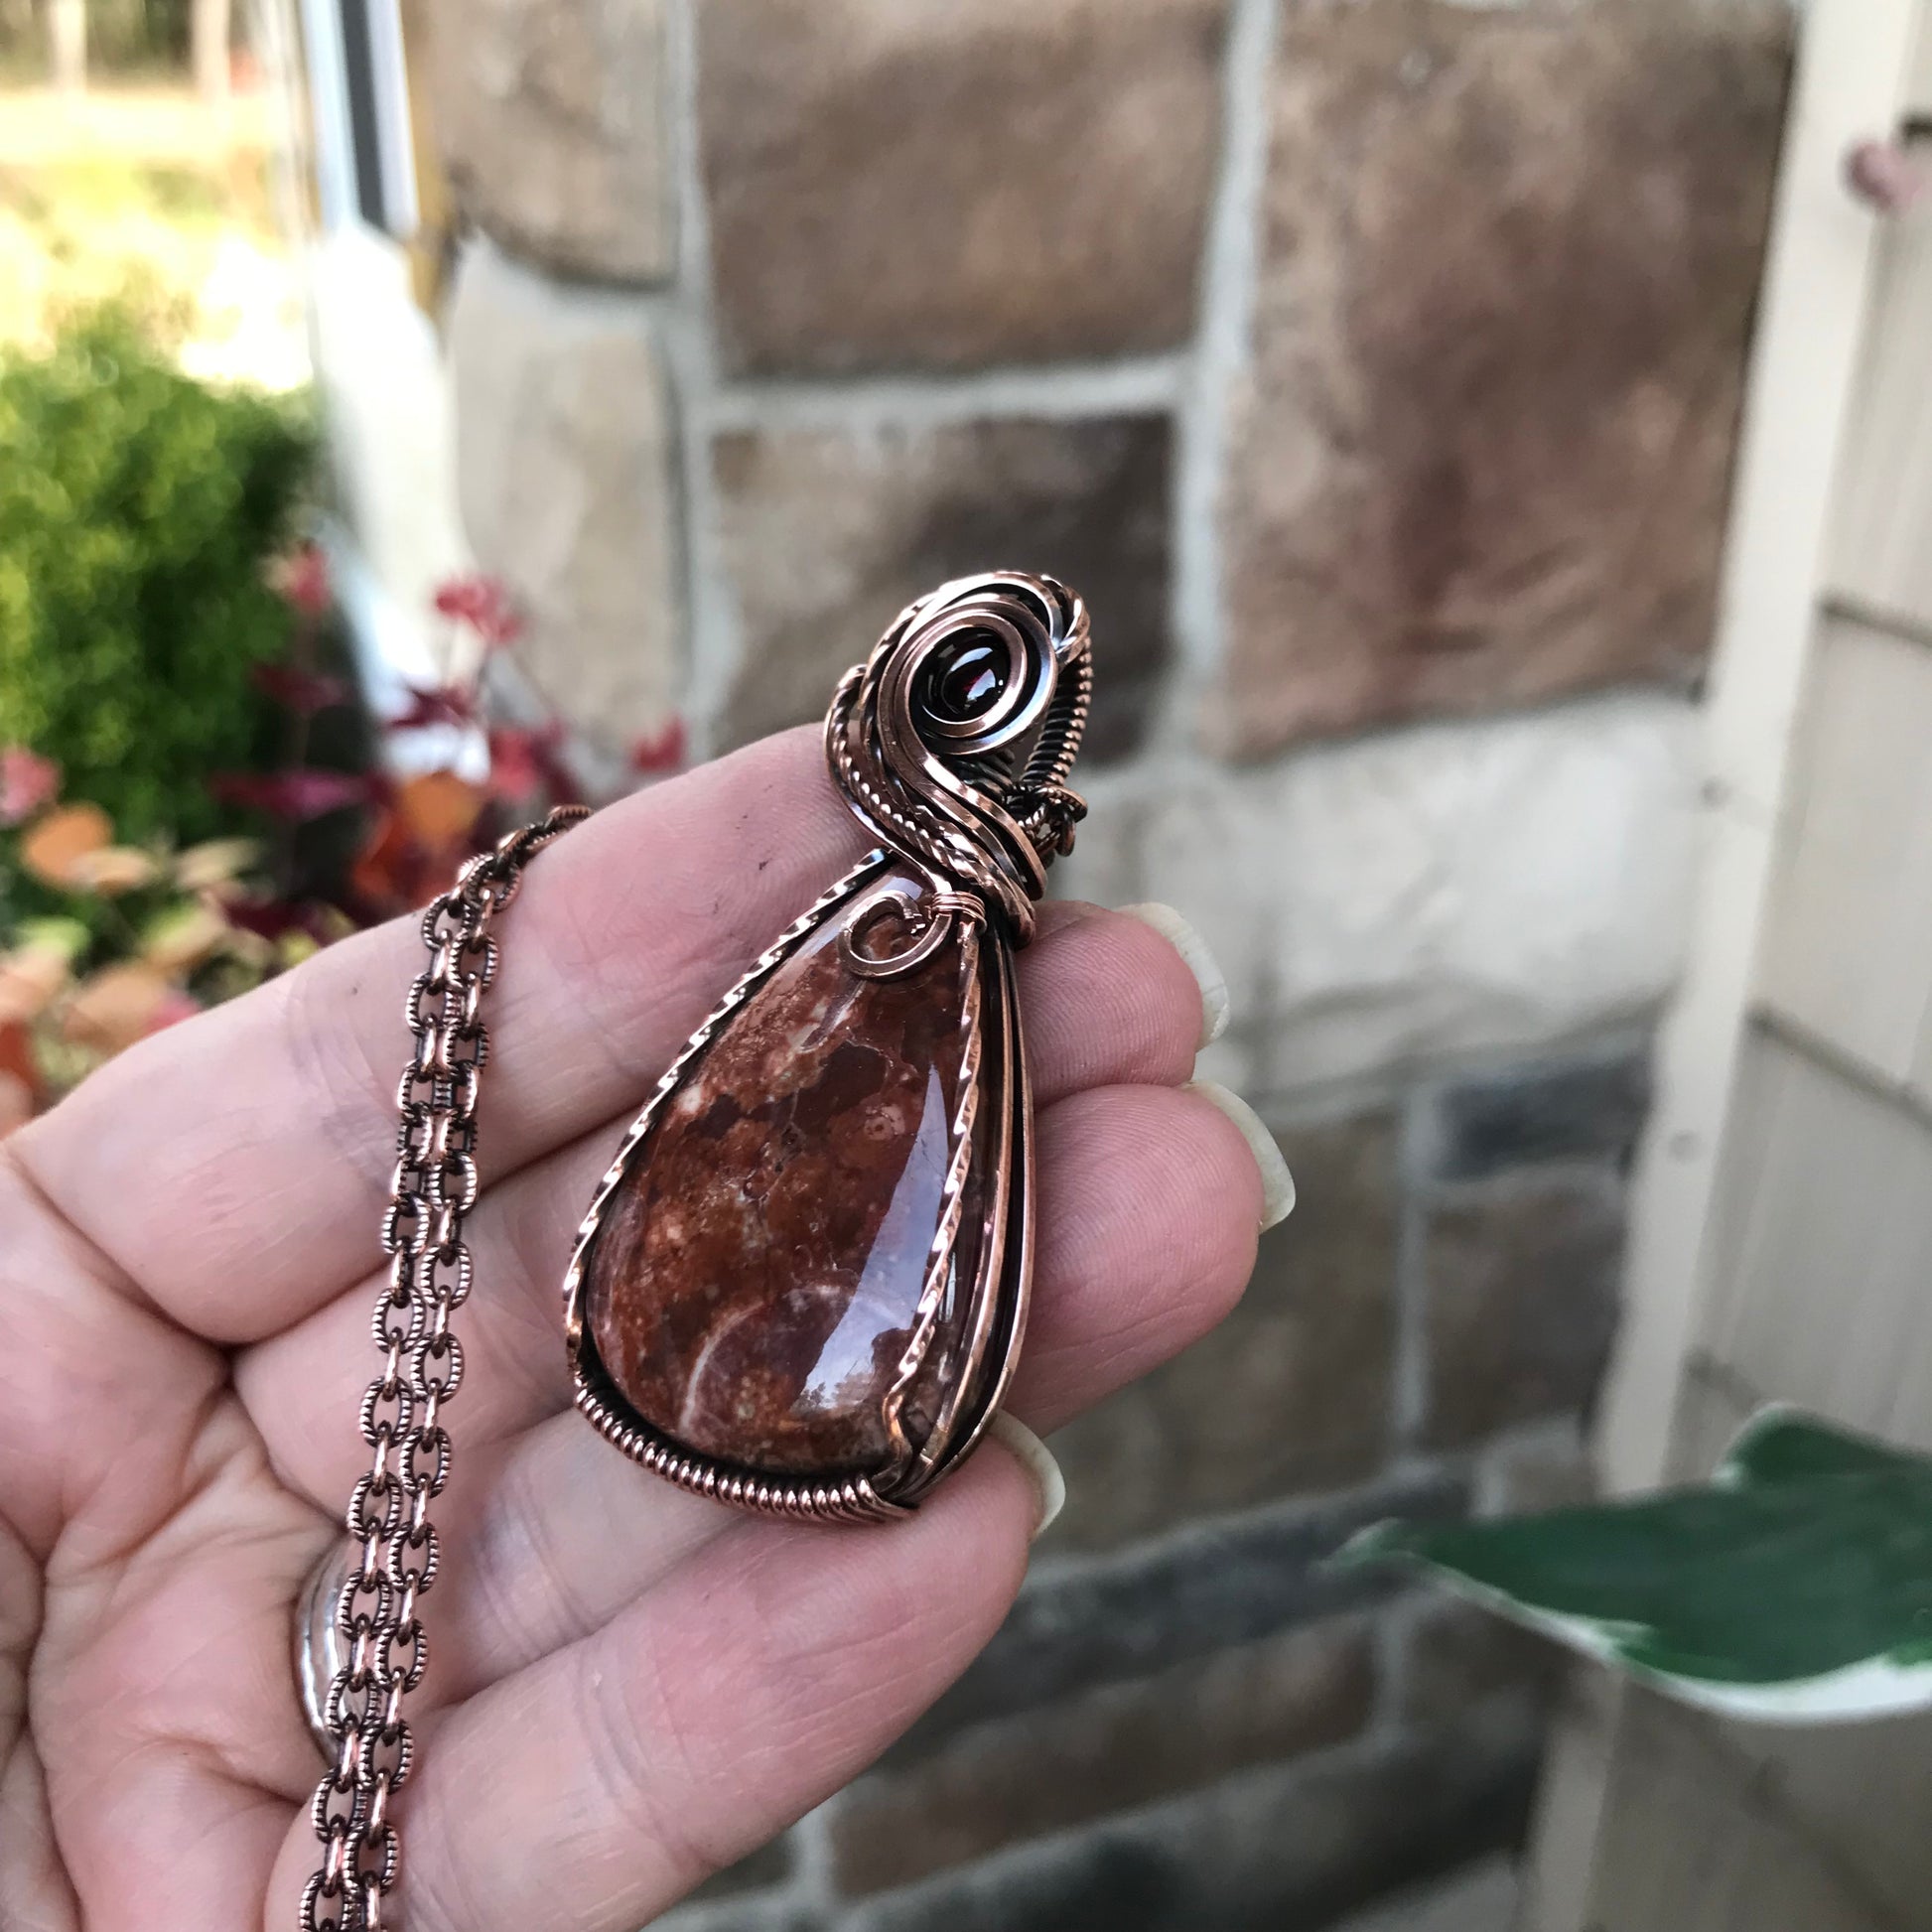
(377, 1610)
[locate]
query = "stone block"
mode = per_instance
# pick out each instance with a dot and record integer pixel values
(1106, 1752)
(1289, 1849)
(550, 118)
(1448, 889)
(950, 187)
(1584, 1108)
(1223, 1584)
(1508, 259)
(1290, 1394)
(1522, 1287)
(826, 535)
(564, 454)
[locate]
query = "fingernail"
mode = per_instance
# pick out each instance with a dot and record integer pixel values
(1276, 1184)
(1192, 948)
(1049, 1486)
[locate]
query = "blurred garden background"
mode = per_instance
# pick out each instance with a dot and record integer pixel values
(159, 447)
(200, 782)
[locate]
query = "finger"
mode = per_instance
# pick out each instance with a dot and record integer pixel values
(1151, 1205)
(236, 1165)
(1106, 999)
(1148, 1201)
(594, 1788)
(163, 1699)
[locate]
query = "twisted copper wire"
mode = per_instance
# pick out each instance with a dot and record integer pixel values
(942, 791)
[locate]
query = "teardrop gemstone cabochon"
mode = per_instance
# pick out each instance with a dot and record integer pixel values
(756, 1279)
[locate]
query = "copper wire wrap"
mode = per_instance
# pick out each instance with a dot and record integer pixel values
(952, 744)
(950, 792)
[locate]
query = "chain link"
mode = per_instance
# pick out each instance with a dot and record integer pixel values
(393, 1542)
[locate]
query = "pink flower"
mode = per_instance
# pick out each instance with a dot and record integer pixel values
(27, 782)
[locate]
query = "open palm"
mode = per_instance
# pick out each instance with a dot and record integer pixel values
(630, 1687)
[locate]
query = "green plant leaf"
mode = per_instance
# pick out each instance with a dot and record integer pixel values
(69, 937)
(1796, 1586)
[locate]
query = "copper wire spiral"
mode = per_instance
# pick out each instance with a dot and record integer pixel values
(940, 786)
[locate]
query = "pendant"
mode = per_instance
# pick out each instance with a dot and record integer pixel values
(802, 1283)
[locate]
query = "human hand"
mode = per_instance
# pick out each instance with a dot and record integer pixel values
(628, 1687)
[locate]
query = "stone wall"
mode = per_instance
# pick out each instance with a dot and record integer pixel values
(1372, 368)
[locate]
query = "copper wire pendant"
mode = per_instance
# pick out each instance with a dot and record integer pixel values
(802, 1283)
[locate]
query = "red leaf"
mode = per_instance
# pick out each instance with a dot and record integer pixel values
(661, 750)
(439, 704)
(484, 604)
(302, 692)
(274, 918)
(515, 766)
(525, 760)
(456, 596)
(294, 795)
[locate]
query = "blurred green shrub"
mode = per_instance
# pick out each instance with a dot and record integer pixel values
(138, 512)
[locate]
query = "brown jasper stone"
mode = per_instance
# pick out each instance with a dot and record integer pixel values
(756, 1279)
